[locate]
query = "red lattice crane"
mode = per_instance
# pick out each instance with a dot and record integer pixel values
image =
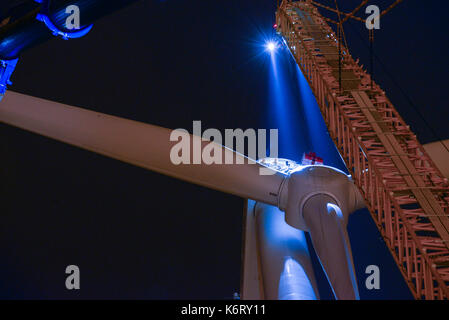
(405, 192)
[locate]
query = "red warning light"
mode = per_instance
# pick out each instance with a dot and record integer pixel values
(275, 26)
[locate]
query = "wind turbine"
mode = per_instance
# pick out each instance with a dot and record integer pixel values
(282, 205)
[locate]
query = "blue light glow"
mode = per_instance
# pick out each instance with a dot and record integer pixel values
(6, 69)
(308, 126)
(271, 46)
(319, 138)
(284, 108)
(65, 35)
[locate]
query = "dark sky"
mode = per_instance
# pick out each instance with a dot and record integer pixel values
(137, 234)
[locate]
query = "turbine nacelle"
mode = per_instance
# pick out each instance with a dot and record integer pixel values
(314, 180)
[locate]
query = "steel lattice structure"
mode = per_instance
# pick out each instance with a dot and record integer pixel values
(407, 195)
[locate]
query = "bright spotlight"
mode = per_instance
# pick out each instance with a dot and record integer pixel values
(271, 46)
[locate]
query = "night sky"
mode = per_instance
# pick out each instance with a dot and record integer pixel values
(136, 234)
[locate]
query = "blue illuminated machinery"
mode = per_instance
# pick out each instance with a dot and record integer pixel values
(45, 17)
(6, 69)
(33, 22)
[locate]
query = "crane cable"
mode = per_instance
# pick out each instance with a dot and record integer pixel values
(404, 93)
(374, 57)
(339, 30)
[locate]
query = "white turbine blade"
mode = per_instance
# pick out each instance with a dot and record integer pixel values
(285, 265)
(330, 239)
(137, 143)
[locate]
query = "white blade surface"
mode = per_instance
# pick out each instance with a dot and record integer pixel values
(137, 143)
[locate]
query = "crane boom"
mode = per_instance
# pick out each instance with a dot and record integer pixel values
(404, 191)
